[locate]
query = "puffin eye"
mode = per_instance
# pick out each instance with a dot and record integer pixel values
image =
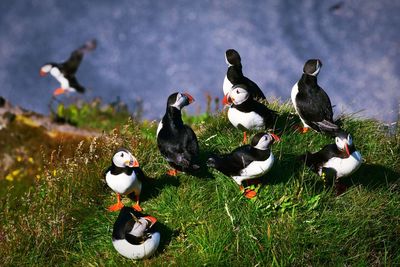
(122, 155)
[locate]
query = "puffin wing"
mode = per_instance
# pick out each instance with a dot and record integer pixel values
(232, 163)
(268, 115)
(254, 89)
(190, 142)
(73, 82)
(316, 160)
(72, 64)
(315, 107)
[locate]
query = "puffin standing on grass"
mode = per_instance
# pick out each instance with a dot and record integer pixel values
(246, 113)
(248, 161)
(234, 76)
(64, 72)
(342, 157)
(133, 234)
(125, 177)
(176, 141)
(311, 102)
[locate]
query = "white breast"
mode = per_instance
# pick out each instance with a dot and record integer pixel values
(142, 251)
(124, 184)
(250, 120)
(160, 125)
(255, 169)
(56, 73)
(227, 86)
(344, 167)
(293, 94)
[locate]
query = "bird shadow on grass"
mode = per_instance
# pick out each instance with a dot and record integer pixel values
(166, 236)
(372, 176)
(152, 187)
(283, 170)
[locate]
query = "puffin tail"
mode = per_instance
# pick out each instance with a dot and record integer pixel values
(328, 127)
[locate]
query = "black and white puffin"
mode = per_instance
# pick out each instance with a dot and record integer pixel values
(248, 161)
(64, 72)
(234, 76)
(125, 177)
(246, 113)
(341, 157)
(311, 102)
(133, 234)
(176, 141)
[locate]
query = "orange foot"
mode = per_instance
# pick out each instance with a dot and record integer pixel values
(172, 172)
(300, 129)
(116, 207)
(248, 193)
(151, 219)
(137, 207)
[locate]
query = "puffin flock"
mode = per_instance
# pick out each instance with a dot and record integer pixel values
(133, 233)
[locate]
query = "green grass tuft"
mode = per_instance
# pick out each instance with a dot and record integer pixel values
(296, 219)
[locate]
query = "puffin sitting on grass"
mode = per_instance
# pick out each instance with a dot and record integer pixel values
(311, 102)
(133, 234)
(248, 161)
(245, 113)
(176, 141)
(125, 177)
(64, 72)
(340, 159)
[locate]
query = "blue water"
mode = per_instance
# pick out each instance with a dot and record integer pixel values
(149, 49)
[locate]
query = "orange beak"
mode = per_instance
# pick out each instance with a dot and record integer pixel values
(42, 73)
(132, 163)
(191, 99)
(347, 149)
(227, 100)
(59, 91)
(276, 138)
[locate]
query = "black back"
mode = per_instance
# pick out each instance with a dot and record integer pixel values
(313, 104)
(177, 142)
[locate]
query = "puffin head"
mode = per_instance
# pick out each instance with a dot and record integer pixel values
(232, 57)
(45, 69)
(179, 100)
(123, 158)
(263, 141)
(237, 95)
(343, 141)
(312, 67)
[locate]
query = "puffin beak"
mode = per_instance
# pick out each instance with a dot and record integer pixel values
(276, 138)
(227, 100)
(347, 149)
(191, 99)
(132, 163)
(59, 91)
(42, 73)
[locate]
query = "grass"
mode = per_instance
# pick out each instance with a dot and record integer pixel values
(204, 220)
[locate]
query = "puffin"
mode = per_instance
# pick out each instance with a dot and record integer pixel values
(246, 113)
(311, 102)
(341, 158)
(234, 76)
(125, 177)
(248, 161)
(134, 236)
(64, 72)
(176, 141)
